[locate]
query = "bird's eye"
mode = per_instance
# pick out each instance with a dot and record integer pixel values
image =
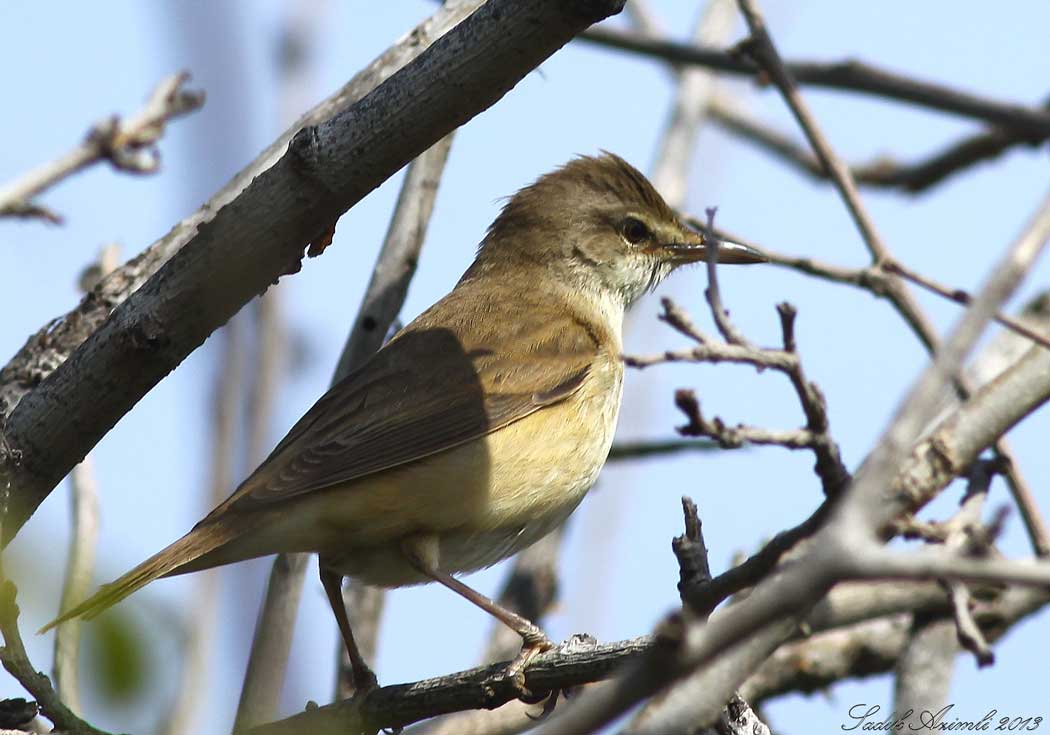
(634, 230)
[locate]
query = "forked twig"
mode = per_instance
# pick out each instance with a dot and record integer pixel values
(129, 144)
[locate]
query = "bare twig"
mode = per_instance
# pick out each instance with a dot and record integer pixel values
(398, 257)
(694, 573)
(641, 15)
(511, 718)
(1008, 347)
(759, 47)
(714, 295)
(129, 144)
(624, 451)
(271, 644)
(1003, 280)
(732, 437)
(704, 598)
(875, 279)
(694, 569)
(961, 296)
(816, 433)
(916, 177)
(851, 76)
(14, 659)
(960, 539)
(923, 673)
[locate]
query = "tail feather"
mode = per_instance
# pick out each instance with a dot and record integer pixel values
(195, 544)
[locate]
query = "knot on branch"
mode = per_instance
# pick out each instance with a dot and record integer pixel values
(131, 145)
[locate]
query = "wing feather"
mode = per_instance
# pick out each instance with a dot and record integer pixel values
(428, 390)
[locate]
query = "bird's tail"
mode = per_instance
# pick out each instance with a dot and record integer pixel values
(195, 544)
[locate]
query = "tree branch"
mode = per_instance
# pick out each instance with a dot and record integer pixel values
(872, 646)
(129, 145)
(14, 659)
(849, 75)
(623, 451)
(814, 436)
(915, 177)
(960, 296)
(580, 661)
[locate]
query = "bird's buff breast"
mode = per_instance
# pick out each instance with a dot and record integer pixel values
(483, 501)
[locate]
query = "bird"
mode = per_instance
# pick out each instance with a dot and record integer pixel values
(479, 427)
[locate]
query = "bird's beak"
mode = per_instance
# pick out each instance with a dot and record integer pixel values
(692, 247)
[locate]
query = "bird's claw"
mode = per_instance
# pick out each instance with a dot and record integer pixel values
(535, 643)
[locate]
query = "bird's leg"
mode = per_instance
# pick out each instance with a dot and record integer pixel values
(364, 678)
(421, 552)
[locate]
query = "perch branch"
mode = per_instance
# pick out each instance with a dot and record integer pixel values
(580, 661)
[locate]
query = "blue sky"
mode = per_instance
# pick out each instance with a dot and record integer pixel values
(78, 62)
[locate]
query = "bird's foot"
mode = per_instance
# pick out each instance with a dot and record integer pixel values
(534, 642)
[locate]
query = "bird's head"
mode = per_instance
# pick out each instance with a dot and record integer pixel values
(597, 224)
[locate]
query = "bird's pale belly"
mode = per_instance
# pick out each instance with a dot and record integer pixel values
(483, 501)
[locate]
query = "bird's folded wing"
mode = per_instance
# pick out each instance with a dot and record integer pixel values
(423, 393)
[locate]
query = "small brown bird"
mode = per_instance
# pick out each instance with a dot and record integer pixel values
(479, 427)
